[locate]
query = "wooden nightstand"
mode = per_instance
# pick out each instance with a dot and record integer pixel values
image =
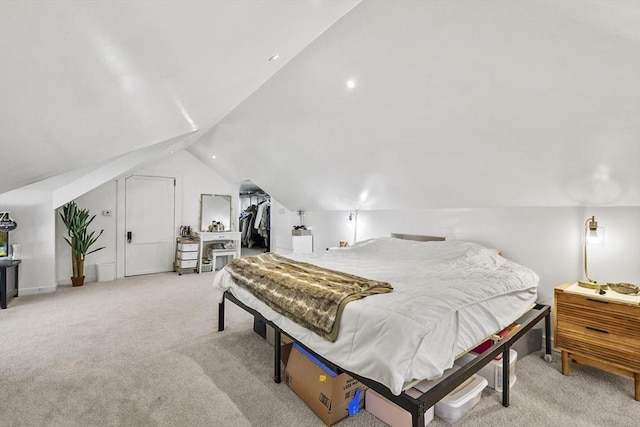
(598, 330)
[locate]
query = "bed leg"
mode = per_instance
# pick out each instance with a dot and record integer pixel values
(548, 357)
(418, 419)
(277, 349)
(221, 316)
(505, 376)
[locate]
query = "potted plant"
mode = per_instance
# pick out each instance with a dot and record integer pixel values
(80, 239)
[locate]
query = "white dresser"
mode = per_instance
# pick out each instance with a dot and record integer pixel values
(230, 239)
(302, 244)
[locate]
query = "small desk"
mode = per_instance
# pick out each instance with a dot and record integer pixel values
(8, 280)
(219, 237)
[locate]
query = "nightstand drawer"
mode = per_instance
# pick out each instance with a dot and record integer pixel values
(602, 334)
(615, 318)
(597, 304)
(568, 316)
(600, 346)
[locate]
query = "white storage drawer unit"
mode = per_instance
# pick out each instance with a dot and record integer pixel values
(187, 251)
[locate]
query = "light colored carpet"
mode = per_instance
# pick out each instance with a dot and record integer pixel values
(145, 351)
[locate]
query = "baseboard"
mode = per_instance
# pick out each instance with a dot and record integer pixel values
(35, 291)
(87, 279)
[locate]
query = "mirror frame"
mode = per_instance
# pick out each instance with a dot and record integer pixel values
(207, 218)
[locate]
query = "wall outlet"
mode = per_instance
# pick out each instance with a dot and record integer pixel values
(106, 213)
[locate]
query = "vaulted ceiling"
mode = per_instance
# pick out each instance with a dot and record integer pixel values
(371, 105)
(85, 81)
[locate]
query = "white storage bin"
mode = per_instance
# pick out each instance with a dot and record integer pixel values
(461, 400)
(187, 255)
(387, 411)
(492, 371)
(187, 264)
(184, 247)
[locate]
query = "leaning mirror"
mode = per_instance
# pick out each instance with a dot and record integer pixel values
(215, 212)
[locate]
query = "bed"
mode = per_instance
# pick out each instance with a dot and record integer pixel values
(447, 297)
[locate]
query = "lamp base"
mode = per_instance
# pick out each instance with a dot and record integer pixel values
(592, 285)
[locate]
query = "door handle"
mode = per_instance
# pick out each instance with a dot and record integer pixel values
(129, 234)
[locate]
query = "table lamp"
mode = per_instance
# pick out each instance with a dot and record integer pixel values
(592, 234)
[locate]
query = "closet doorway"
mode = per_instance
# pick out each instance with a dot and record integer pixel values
(254, 222)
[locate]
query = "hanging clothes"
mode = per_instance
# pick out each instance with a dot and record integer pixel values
(255, 222)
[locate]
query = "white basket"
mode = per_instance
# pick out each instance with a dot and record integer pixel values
(207, 268)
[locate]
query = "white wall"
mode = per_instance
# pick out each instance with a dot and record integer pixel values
(34, 207)
(282, 222)
(192, 179)
(548, 240)
(32, 210)
(103, 198)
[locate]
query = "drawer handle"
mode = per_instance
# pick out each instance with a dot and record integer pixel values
(598, 300)
(602, 331)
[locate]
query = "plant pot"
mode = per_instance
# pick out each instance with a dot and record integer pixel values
(77, 281)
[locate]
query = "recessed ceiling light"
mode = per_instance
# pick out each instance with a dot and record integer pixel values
(351, 83)
(213, 156)
(274, 57)
(172, 151)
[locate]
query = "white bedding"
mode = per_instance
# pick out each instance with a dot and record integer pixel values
(448, 296)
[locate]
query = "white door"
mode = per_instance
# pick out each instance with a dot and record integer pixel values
(149, 224)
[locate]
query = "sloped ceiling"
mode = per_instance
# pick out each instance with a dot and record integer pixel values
(455, 104)
(86, 81)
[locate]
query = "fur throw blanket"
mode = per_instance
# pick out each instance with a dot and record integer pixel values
(311, 296)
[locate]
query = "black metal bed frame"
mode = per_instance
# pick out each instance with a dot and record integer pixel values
(417, 407)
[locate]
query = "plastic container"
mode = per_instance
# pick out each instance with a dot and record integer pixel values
(106, 272)
(492, 371)
(387, 411)
(461, 400)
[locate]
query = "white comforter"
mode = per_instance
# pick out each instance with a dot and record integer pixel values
(416, 331)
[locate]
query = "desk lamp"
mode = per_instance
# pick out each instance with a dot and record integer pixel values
(591, 235)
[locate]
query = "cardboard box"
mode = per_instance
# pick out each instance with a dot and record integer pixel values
(285, 349)
(325, 392)
(387, 411)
